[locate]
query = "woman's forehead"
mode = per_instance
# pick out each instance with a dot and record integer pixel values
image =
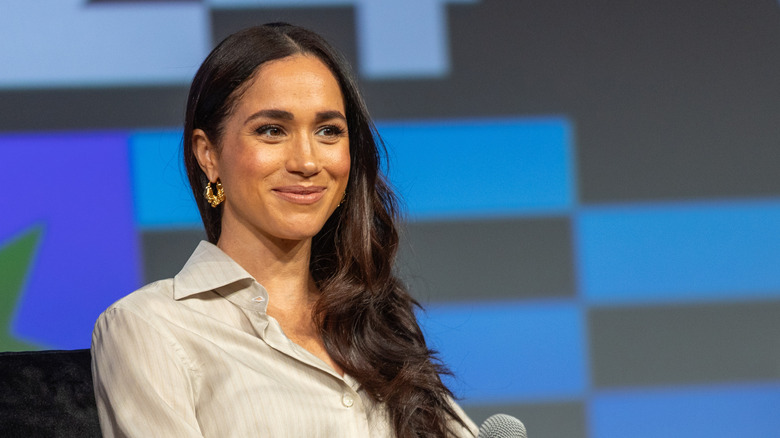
(297, 81)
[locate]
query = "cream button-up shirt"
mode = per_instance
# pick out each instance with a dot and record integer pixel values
(197, 356)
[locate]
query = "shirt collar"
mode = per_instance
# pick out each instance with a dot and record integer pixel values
(209, 268)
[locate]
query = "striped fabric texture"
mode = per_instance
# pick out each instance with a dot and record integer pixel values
(197, 355)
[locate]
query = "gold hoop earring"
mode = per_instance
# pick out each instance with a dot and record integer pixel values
(211, 198)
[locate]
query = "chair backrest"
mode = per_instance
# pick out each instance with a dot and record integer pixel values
(47, 393)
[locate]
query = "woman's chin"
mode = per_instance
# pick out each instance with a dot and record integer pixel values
(297, 233)
(301, 227)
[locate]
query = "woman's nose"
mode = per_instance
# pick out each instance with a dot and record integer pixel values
(302, 158)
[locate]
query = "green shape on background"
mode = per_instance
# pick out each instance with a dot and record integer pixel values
(16, 261)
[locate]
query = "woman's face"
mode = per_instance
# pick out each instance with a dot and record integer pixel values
(283, 158)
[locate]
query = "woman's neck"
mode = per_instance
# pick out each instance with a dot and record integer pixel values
(281, 266)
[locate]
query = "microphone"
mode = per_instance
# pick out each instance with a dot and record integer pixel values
(502, 426)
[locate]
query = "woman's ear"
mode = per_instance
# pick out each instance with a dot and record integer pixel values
(206, 154)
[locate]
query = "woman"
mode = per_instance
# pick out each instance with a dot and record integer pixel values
(290, 320)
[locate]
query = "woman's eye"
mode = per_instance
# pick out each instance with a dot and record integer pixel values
(270, 131)
(331, 131)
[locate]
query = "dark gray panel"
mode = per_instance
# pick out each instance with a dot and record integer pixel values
(670, 99)
(488, 259)
(92, 108)
(336, 24)
(166, 252)
(565, 420)
(690, 344)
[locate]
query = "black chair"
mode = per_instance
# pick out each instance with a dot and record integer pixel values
(47, 394)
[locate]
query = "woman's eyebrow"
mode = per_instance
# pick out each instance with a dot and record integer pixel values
(329, 115)
(271, 114)
(286, 115)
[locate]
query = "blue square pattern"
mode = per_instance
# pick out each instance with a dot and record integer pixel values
(482, 168)
(76, 188)
(747, 410)
(161, 192)
(676, 252)
(511, 351)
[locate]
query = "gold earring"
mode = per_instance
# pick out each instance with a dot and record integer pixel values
(343, 198)
(211, 198)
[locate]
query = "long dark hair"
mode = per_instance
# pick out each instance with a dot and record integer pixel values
(365, 314)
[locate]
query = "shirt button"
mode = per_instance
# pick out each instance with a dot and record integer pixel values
(347, 400)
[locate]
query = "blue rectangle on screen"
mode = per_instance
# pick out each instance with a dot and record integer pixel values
(679, 252)
(746, 410)
(482, 168)
(161, 192)
(74, 187)
(510, 352)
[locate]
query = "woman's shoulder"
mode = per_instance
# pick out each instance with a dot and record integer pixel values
(146, 301)
(141, 324)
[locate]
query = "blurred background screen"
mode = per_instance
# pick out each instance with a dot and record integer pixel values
(592, 189)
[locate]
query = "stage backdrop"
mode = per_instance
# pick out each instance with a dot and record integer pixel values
(592, 188)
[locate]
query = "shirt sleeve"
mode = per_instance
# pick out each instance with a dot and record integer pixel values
(143, 384)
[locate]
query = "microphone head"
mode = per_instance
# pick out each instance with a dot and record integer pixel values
(502, 426)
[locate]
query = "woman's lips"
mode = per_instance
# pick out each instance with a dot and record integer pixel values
(300, 194)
